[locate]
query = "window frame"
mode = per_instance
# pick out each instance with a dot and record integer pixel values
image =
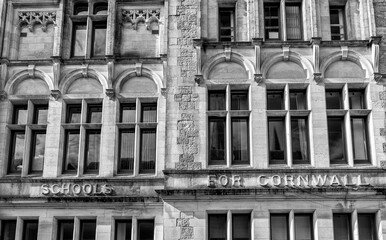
(229, 214)
(232, 28)
(343, 25)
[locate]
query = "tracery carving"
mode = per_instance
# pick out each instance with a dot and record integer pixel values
(33, 18)
(135, 16)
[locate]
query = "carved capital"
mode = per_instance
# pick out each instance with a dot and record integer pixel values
(199, 79)
(197, 42)
(318, 78)
(110, 93)
(316, 40)
(258, 77)
(3, 95)
(56, 94)
(164, 91)
(378, 77)
(375, 39)
(257, 41)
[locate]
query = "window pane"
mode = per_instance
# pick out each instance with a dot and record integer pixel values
(94, 113)
(126, 159)
(336, 141)
(333, 100)
(217, 226)
(79, 41)
(17, 151)
(100, 8)
(342, 227)
(239, 101)
(356, 99)
(145, 229)
(240, 143)
(216, 100)
(217, 141)
(8, 229)
(123, 230)
(241, 226)
(149, 112)
(148, 151)
(299, 136)
(293, 23)
(128, 112)
(93, 140)
(20, 115)
(303, 227)
(271, 20)
(30, 230)
(366, 227)
(226, 24)
(87, 229)
(279, 227)
(359, 140)
(40, 115)
(73, 113)
(81, 8)
(276, 139)
(275, 100)
(38, 147)
(65, 230)
(99, 39)
(71, 151)
(298, 100)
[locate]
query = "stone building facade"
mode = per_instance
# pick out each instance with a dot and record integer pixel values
(192, 119)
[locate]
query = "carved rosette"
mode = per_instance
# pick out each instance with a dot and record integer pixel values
(136, 16)
(258, 78)
(32, 18)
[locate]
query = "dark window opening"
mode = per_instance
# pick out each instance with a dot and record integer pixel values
(342, 226)
(145, 230)
(217, 150)
(147, 151)
(123, 229)
(227, 24)
(30, 229)
(65, 229)
(276, 141)
(336, 140)
(8, 229)
(93, 140)
(279, 227)
(87, 229)
(217, 226)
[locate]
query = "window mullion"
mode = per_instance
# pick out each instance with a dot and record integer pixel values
(228, 134)
(354, 225)
(76, 234)
(283, 21)
(291, 222)
(19, 228)
(287, 122)
(27, 150)
(82, 149)
(134, 228)
(347, 125)
(229, 225)
(89, 37)
(137, 146)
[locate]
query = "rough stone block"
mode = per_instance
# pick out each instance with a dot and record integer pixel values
(186, 158)
(187, 106)
(382, 132)
(187, 233)
(183, 222)
(187, 116)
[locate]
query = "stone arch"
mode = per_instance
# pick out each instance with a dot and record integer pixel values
(352, 56)
(234, 58)
(294, 57)
(19, 77)
(71, 77)
(132, 72)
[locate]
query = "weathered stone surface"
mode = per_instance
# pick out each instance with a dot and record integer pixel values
(182, 222)
(187, 233)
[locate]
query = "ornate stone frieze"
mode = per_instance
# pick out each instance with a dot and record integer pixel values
(32, 18)
(135, 16)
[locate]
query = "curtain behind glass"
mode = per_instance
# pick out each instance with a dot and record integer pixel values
(217, 141)
(217, 226)
(240, 151)
(303, 227)
(293, 22)
(126, 160)
(299, 140)
(342, 229)
(148, 151)
(279, 227)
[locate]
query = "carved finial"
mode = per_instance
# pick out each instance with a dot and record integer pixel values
(258, 77)
(378, 77)
(56, 94)
(3, 95)
(199, 79)
(164, 91)
(110, 93)
(318, 78)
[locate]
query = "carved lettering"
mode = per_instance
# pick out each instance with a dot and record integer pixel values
(68, 189)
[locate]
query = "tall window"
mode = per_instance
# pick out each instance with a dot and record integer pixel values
(347, 119)
(28, 138)
(227, 24)
(240, 223)
(288, 107)
(82, 138)
(30, 229)
(8, 229)
(282, 20)
(366, 226)
(342, 226)
(65, 230)
(280, 228)
(87, 230)
(89, 23)
(337, 23)
(228, 118)
(137, 137)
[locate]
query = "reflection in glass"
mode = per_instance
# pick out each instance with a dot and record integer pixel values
(366, 226)
(216, 100)
(276, 136)
(279, 227)
(239, 100)
(65, 229)
(145, 230)
(303, 227)
(17, 151)
(126, 156)
(30, 229)
(149, 112)
(71, 151)
(99, 39)
(240, 149)
(38, 147)
(20, 115)
(333, 99)
(217, 141)
(217, 226)
(40, 115)
(147, 151)
(359, 140)
(299, 136)
(298, 100)
(356, 99)
(336, 140)
(79, 40)
(8, 229)
(123, 230)
(128, 112)
(87, 229)
(73, 113)
(275, 100)
(93, 140)
(94, 113)
(241, 225)
(342, 226)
